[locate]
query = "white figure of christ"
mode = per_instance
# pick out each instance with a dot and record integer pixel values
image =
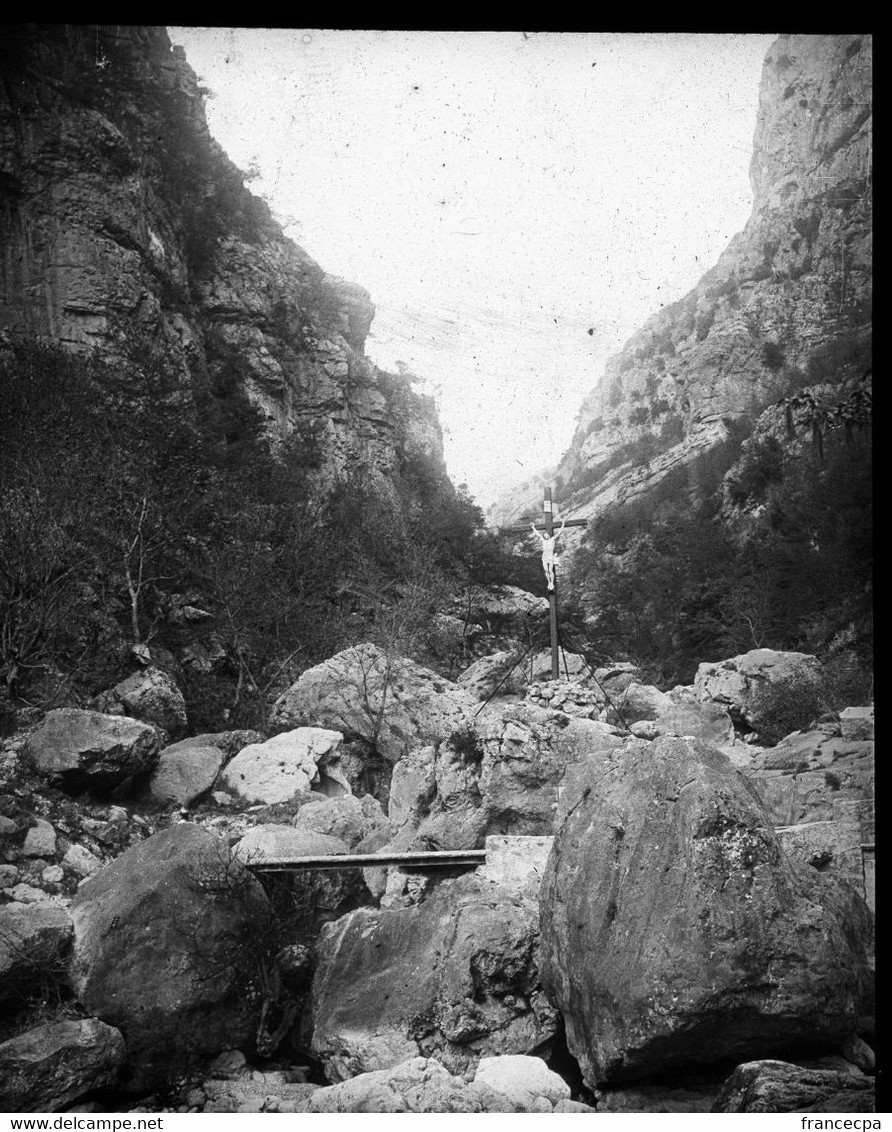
(549, 544)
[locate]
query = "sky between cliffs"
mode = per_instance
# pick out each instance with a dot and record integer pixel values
(516, 203)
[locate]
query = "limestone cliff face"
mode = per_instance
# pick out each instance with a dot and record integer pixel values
(786, 307)
(125, 229)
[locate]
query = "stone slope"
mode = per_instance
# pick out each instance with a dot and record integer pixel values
(127, 230)
(787, 305)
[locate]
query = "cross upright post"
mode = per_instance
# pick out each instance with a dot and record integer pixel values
(547, 524)
(548, 519)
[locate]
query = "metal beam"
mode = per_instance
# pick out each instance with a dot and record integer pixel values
(447, 858)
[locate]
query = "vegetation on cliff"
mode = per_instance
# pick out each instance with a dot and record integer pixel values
(126, 520)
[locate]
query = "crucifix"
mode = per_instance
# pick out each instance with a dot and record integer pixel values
(546, 535)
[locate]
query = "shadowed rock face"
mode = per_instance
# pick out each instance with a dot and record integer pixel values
(127, 228)
(675, 931)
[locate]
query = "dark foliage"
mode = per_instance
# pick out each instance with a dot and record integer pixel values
(670, 584)
(116, 499)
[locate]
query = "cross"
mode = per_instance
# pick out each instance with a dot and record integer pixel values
(548, 526)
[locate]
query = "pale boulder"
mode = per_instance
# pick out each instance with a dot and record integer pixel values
(778, 1086)
(275, 771)
(522, 1078)
(419, 1084)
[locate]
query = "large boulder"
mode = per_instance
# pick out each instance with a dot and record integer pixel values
(150, 695)
(89, 750)
(455, 976)
(390, 702)
(166, 940)
(33, 939)
(675, 930)
(278, 769)
(49, 1067)
(419, 1084)
(763, 688)
(184, 774)
(778, 1086)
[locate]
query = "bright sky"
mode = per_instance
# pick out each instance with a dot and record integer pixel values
(516, 203)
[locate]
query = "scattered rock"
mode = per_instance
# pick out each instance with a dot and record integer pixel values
(45, 1069)
(777, 1086)
(33, 938)
(40, 840)
(419, 1084)
(856, 723)
(637, 702)
(348, 818)
(283, 766)
(81, 861)
(9, 874)
(150, 695)
(573, 1106)
(88, 750)
(230, 1063)
(523, 1079)
(184, 774)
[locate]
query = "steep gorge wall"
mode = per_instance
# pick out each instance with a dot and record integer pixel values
(786, 307)
(126, 230)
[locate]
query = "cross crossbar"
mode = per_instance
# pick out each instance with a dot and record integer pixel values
(526, 530)
(448, 858)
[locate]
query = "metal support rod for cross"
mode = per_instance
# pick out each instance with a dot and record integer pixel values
(547, 536)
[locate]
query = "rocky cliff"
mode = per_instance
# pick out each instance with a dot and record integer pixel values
(787, 306)
(126, 230)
